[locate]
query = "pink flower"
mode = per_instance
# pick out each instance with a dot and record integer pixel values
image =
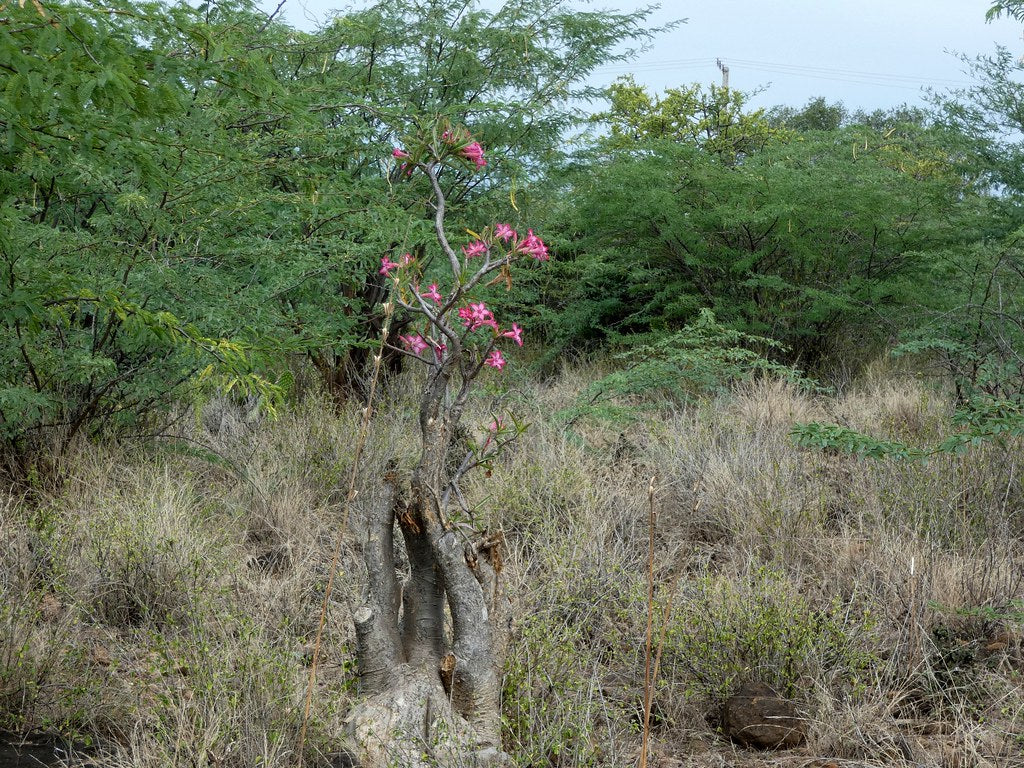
(386, 265)
(504, 233)
(475, 153)
(534, 246)
(407, 259)
(439, 349)
(477, 316)
(432, 294)
(413, 342)
(399, 153)
(482, 316)
(516, 334)
(495, 425)
(495, 360)
(476, 248)
(448, 137)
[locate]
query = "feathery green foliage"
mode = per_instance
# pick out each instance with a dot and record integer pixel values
(178, 180)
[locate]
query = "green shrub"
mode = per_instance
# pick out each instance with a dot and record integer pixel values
(724, 633)
(549, 704)
(703, 358)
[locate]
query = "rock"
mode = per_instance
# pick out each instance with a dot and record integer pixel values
(491, 758)
(756, 716)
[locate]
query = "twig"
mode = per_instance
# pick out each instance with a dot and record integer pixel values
(270, 17)
(914, 649)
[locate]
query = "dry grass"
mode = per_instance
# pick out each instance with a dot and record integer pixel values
(163, 601)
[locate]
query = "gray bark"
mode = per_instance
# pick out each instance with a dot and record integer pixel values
(412, 725)
(422, 600)
(427, 701)
(379, 649)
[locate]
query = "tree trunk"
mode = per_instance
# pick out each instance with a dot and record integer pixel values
(431, 694)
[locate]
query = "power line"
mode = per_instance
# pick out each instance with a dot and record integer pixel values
(859, 77)
(844, 72)
(666, 63)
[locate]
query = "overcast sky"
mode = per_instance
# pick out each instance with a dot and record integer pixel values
(866, 53)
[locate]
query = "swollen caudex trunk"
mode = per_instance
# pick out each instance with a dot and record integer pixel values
(428, 699)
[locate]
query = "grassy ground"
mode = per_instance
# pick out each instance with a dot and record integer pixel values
(162, 600)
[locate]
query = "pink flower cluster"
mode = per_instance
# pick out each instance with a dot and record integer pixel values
(416, 344)
(534, 246)
(400, 154)
(531, 245)
(476, 316)
(516, 334)
(471, 150)
(475, 153)
(433, 294)
(495, 359)
(476, 248)
(387, 266)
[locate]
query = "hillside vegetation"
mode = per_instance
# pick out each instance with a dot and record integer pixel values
(757, 419)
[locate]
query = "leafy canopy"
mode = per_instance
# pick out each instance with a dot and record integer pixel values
(185, 187)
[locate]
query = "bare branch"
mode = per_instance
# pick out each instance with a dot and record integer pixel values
(442, 237)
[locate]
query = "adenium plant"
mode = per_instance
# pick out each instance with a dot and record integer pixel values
(417, 678)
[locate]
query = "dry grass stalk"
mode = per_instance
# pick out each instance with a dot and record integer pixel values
(648, 660)
(350, 496)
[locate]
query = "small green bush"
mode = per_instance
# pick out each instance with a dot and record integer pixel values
(725, 632)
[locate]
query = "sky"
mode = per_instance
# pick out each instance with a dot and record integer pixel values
(866, 53)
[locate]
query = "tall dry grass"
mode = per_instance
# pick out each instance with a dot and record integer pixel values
(162, 601)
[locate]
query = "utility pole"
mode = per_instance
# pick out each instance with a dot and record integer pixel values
(725, 74)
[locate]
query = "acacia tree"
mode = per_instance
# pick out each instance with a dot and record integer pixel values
(716, 120)
(804, 240)
(219, 170)
(516, 70)
(429, 697)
